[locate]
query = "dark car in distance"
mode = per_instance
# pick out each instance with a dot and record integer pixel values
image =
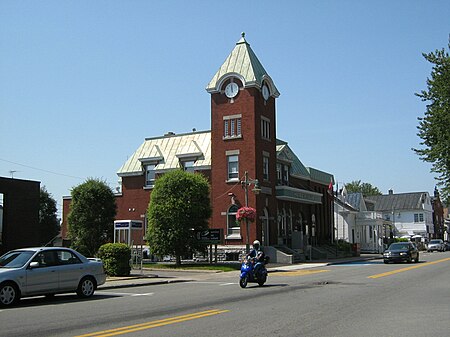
(401, 252)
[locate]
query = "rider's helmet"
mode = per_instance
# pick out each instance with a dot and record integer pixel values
(256, 244)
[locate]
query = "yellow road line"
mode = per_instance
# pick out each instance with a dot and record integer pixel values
(153, 324)
(299, 272)
(408, 268)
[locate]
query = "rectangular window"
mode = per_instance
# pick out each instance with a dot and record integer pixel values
(265, 168)
(285, 174)
(233, 167)
(232, 126)
(418, 217)
(226, 131)
(265, 128)
(150, 174)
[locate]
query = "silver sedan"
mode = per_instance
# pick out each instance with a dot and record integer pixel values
(47, 271)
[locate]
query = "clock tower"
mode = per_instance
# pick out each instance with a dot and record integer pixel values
(243, 146)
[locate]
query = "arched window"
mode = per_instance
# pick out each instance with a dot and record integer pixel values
(234, 229)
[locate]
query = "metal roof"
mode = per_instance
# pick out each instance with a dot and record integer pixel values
(243, 63)
(167, 151)
(284, 153)
(406, 201)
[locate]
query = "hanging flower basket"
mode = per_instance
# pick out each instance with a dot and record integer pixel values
(246, 213)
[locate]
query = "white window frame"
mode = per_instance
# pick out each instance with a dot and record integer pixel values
(233, 229)
(233, 167)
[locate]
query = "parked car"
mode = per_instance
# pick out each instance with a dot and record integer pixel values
(401, 252)
(436, 244)
(47, 271)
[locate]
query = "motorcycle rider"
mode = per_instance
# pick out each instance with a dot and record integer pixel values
(257, 255)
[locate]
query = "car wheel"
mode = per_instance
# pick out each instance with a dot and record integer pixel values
(86, 287)
(386, 261)
(9, 294)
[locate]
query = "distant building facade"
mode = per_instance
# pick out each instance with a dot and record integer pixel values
(410, 214)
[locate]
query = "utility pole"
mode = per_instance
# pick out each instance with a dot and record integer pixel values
(245, 184)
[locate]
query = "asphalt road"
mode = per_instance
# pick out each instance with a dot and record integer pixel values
(359, 299)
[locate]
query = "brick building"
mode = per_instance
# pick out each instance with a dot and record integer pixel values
(294, 208)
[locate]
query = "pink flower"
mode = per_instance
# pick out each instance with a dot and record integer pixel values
(246, 213)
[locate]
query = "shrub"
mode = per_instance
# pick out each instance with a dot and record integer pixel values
(116, 258)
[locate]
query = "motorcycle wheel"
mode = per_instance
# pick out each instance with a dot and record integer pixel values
(261, 282)
(243, 281)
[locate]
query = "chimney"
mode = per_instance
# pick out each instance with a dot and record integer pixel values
(391, 191)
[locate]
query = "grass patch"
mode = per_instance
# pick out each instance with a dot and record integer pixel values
(194, 266)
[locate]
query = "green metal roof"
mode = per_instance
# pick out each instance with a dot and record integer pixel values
(244, 64)
(167, 151)
(284, 153)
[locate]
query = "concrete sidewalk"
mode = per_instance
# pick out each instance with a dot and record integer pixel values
(158, 277)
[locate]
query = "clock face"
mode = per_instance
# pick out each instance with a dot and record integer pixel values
(265, 92)
(231, 90)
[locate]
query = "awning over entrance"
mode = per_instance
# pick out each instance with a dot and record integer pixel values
(298, 195)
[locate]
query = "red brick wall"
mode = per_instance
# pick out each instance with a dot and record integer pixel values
(250, 105)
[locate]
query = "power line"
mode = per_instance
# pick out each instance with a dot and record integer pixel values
(38, 169)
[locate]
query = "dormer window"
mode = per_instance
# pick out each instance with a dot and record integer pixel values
(188, 165)
(149, 165)
(150, 175)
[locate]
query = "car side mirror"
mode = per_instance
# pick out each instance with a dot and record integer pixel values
(34, 265)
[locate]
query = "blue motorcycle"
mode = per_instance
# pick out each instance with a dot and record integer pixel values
(253, 272)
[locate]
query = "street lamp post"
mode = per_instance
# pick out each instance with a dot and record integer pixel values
(245, 184)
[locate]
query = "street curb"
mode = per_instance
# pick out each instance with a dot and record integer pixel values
(130, 285)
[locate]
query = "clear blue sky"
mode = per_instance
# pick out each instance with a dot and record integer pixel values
(82, 83)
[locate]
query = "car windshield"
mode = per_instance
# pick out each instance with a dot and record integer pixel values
(398, 246)
(15, 259)
(435, 241)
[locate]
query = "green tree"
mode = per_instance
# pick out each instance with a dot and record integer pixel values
(179, 205)
(91, 217)
(365, 188)
(434, 127)
(48, 220)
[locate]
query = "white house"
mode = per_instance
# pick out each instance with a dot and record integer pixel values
(410, 214)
